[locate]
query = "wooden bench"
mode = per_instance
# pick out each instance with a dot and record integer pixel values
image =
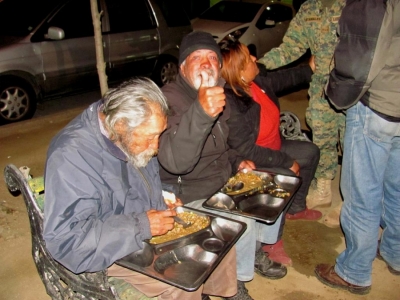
(60, 283)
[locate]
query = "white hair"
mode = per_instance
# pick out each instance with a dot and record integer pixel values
(131, 103)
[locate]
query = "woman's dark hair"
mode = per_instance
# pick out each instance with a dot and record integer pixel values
(235, 56)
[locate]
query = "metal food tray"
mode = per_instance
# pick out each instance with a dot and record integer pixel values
(261, 203)
(187, 261)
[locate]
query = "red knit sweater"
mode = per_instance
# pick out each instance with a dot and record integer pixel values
(268, 135)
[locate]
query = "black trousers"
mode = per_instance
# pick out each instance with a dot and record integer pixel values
(307, 156)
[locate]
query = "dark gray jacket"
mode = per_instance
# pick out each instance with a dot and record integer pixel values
(194, 153)
(367, 58)
(95, 201)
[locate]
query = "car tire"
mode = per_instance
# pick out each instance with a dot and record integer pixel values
(17, 100)
(165, 70)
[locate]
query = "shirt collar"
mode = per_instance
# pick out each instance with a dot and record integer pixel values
(112, 148)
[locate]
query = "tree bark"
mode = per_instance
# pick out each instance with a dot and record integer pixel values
(98, 39)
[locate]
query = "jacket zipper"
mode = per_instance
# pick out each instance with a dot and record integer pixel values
(145, 181)
(220, 129)
(179, 185)
(214, 139)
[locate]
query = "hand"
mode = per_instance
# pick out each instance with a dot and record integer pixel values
(212, 99)
(246, 165)
(160, 221)
(311, 63)
(171, 200)
(173, 205)
(295, 168)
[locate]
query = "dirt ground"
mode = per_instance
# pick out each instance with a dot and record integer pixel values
(307, 243)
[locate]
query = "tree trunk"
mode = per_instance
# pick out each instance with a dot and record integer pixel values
(98, 39)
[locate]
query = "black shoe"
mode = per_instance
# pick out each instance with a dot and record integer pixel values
(242, 292)
(268, 268)
(205, 297)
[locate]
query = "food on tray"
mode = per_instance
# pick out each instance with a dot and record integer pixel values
(248, 181)
(198, 223)
(279, 193)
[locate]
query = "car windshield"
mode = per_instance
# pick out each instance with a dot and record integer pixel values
(20, 17)
(242, 12)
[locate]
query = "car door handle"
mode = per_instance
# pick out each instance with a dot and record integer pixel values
(155, 37)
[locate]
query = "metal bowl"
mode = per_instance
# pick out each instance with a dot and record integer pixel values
(221, 201)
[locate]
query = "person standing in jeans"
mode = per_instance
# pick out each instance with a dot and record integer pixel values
(365, 81)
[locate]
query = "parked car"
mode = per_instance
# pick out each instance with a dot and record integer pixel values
(47, 47)
(260, 26)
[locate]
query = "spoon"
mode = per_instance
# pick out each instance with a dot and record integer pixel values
(182, 222)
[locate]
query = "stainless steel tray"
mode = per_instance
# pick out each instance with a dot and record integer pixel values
(264, 202)
(188, 261)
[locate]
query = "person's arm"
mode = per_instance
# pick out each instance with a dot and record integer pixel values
(294, 45)
(281, 80)
(81, 227)
(242, 138)
(361, 52)
(189, 126)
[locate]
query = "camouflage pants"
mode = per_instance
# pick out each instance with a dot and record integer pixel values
(327, 125)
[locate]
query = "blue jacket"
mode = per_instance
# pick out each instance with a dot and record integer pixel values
(95, 201)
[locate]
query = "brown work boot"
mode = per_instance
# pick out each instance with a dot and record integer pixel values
(332, 219)
(320, 195)
(327, 275)
(391, 270)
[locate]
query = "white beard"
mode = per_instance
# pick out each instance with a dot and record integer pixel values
(212, 80)
(137, 160)
(142, 159)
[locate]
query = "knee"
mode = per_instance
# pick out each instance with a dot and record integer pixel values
(312, 155)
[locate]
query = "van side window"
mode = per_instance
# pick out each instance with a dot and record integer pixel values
(174, 13)
(129, 15)
(79, 13)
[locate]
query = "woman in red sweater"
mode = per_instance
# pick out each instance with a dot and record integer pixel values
(254, 128)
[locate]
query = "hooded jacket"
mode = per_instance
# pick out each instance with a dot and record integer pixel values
(194, 154)
(95, 201)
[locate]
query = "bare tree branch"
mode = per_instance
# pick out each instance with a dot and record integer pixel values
(98, 39)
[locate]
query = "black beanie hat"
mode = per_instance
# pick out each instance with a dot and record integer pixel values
(198, 40)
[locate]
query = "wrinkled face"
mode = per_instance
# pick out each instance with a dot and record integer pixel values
(141, 144)
(200, 62)
(250, 70)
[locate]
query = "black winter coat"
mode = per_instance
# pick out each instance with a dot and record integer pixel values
(194, 152)
(244, 122)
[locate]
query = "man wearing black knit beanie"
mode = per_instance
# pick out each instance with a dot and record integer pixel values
(195, 158)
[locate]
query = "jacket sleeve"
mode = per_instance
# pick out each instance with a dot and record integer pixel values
(361, 52)
(80, 229)
(282, 80)
(182, 143)
(242, 138)
(294, 44)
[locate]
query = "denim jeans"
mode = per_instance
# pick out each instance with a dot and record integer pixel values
(370, 184)
(246, 245)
